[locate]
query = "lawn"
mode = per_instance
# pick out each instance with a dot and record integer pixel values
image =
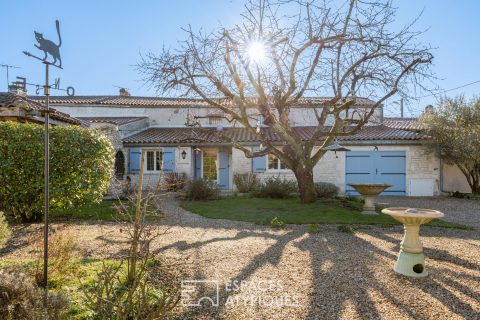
(104, 211)
(291, 211)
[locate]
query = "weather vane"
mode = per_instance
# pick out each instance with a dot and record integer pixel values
(49, 48)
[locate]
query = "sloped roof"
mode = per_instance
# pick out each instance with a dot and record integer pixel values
(137, 101)
(13, 100)
(210, 135)
(403, 123)
(112, 120)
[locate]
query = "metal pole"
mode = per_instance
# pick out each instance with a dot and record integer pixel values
(401, 107)
(46, 183)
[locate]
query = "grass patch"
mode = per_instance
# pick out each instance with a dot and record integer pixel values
(291, 211)
(81, 274)
(104, 211)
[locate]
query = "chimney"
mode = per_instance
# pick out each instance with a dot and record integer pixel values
(124, 92)
(429, 109)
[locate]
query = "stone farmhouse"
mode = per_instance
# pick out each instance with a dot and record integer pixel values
(189, 136)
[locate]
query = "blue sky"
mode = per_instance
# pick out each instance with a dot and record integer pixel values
(102, 40)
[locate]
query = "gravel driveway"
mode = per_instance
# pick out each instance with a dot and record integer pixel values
(462, 211)
(291, 274)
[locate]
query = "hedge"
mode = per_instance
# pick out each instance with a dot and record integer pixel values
(81, 164)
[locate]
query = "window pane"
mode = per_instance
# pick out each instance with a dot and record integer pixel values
(271, 158)
(210, 166)
(158, 163)
(282, 165)
(150, 160)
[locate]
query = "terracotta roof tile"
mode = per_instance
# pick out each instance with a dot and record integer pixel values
(403, 123)
(8, 99)
(112, 120)
(135, 101)
(210, 135)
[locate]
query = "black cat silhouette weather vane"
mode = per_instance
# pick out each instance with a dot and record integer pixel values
(49, 48)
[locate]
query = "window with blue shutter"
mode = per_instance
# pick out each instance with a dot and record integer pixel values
(134, 155)
(259, 164)
(168, 159)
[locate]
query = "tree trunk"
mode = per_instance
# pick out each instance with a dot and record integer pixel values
(306, 187)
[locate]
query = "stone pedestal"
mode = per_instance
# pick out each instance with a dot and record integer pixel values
(411, 261)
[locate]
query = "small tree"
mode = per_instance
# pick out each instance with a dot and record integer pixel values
(283, 52)
(455, 130)
(81, 165)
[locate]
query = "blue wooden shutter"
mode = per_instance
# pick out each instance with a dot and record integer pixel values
(134, 155)
(197, 174)
(259, 164)
(168, 159)
(223, 169)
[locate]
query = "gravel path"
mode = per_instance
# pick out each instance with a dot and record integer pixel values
(462, 211)
(291, 274)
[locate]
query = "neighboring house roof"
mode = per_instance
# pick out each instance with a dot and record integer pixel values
(211, 135)
(33, 109)
(403, 123)
(135, 101)
(112, 120)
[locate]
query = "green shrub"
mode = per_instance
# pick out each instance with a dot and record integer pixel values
(345, 228)
(200, 189)
(313, 228)
(81, 164)
(276, 187)
(4, 230)
(245, 182)
(326, 189)
(277, 223)
(21, 299)
(175, 181)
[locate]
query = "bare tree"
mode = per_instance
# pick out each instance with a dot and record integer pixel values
(282, 53)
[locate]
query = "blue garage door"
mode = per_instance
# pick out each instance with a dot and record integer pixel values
(376, 167)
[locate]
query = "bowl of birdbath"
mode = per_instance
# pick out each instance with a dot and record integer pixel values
(369, 191)
(411, 261)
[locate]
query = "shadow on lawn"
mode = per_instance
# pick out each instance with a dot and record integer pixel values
(346, 276)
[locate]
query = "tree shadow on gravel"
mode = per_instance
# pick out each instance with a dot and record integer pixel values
(357, 282)
(356, 276)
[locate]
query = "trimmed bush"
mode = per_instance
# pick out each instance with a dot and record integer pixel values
(277, 223)
(202, 190)
(276, 187)
(326, 189)
(81, 164)
(175, 181)
(4, 230)
(21, 299)
(245, 182)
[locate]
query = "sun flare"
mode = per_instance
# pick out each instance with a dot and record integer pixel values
(256, 51)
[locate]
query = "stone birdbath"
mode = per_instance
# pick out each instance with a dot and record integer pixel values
(369, 191)
(410, 261)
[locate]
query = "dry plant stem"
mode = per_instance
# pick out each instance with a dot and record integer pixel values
(132, 261)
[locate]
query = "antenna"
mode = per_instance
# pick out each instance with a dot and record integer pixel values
(7, 67)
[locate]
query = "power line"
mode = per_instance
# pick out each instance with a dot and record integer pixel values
(463, 86)
(6, 66)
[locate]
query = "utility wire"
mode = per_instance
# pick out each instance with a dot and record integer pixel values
(436, 94)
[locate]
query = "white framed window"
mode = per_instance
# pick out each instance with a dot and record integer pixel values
(215, 120)
(153, 161)
(275, 164)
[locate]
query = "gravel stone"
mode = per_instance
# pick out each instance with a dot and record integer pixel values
(456, 210)
(328, 275)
